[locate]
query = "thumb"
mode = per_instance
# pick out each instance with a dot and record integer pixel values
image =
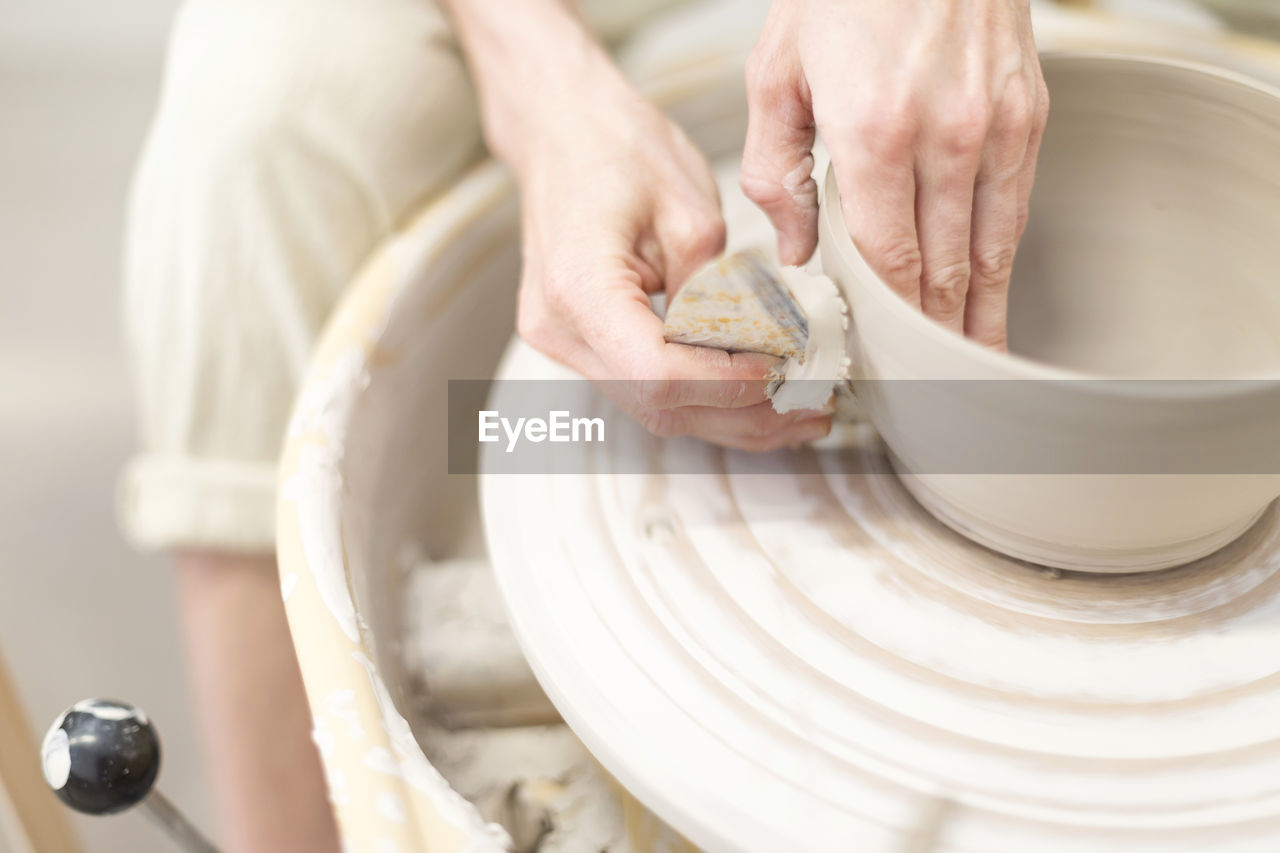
(777, 162)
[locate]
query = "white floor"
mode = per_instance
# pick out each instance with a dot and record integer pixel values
(80, 614)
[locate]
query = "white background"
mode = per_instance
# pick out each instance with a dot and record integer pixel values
(80, 614)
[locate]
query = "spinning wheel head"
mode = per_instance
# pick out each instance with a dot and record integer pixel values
(101, 756)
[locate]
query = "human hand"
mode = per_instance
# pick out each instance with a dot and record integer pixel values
(933, 112)
(617, 204)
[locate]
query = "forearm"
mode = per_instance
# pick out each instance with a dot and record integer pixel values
(251, 706)
(531, 62)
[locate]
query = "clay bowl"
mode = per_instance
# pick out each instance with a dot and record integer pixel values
(1135, 424)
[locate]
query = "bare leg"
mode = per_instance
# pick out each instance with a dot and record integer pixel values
(268, 784)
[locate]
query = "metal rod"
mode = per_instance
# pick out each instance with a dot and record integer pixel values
(157, 807)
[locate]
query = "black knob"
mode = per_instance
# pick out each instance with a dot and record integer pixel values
(101, 756)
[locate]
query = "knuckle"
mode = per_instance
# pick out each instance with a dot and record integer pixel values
(889, 128)
(1041, 117)
(700, 238)
(1017, 113)
(948, 284)
(1024, 215)
(658, 423)
(888, 140)
(554, 300)
(656, 394)
(555, 289)
(533, 323)
(531, 328)
(761, 182)
(898, 261)
(963, 128)
(883, 124)
(992, 266)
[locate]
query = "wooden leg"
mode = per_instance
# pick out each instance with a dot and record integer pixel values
(31, 818)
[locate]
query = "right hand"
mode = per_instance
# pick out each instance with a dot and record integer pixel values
(933, 114)
(618, 204)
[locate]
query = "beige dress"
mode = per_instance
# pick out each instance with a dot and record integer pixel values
(291, 137)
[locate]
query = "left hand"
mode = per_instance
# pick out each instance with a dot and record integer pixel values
(617, 204)
(933, 112)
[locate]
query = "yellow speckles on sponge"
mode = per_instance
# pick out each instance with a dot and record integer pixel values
(737, 304)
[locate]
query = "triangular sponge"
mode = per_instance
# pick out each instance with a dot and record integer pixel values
(738, 304)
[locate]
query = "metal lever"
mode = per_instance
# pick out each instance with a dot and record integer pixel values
(101, 757)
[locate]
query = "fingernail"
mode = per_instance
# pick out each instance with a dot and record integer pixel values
(814, 430)
(811, 414)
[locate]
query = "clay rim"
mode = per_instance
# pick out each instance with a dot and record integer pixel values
(1021, 367)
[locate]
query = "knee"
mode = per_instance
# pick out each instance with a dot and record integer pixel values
(375, 89)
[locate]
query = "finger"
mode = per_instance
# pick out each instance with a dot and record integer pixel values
(754, 426)
(625, 335)
(944, 209)
(1027, 177)
(794, 436)
(995, 237)
(737, 428)
(875, 177)
(688, 236)
(648, 262)
(1000, 210)
(777, 161)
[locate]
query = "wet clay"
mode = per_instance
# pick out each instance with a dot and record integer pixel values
(1153, 245)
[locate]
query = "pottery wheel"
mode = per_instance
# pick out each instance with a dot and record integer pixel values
(790, 654)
